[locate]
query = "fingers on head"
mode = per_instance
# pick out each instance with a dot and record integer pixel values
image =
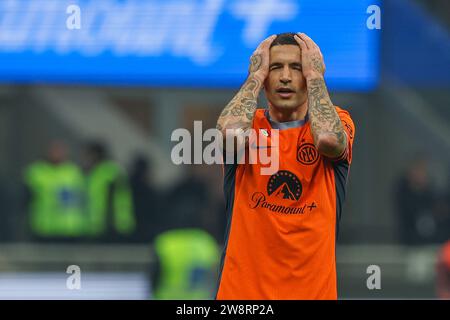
(307, 39)
(311, 44)
(268, 41)
(271, 38)
(302, 43)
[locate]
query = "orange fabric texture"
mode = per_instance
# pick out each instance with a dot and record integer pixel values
(281, 240)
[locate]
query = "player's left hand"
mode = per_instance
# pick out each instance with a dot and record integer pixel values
(312, 58)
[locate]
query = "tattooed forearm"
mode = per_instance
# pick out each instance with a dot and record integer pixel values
(325, 121)
(238, 114)
(318, 65)
(255, 63)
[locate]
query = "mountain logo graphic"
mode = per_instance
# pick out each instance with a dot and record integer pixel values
(284, 185)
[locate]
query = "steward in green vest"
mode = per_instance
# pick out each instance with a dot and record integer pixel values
(55, 190)
(186, 264)
(109, 198)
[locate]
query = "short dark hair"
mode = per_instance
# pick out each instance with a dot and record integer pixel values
(286, 38)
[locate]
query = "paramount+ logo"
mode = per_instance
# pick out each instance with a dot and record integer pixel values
(283, 186)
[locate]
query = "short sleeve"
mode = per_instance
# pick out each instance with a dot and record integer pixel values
(349, 128)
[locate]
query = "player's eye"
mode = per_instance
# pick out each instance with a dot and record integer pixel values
(274, 67)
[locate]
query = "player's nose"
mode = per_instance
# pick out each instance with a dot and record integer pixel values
(285, 76)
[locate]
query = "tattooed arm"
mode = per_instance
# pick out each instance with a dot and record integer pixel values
(326, 126)
(238, 114)
(236, 118)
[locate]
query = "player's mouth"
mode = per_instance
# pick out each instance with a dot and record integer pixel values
(285, 92)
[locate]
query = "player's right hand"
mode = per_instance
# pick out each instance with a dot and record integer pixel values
(259, 61)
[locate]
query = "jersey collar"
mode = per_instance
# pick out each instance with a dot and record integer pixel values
(285, 125)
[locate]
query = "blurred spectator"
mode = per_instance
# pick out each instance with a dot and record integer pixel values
(416, 204)
(53, 196)
(186, 254)
(442, 213)
(185, 266)
(147, 201)
(188, 202)
(199, 196)
(109, 199)
(6, 227)
(443, 272)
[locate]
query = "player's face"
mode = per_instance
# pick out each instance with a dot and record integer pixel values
(285, 86)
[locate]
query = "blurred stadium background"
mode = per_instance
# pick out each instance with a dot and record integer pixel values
(133, 73)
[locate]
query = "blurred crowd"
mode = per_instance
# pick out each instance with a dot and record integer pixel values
(423, 215)
(423, 208)
(97, 200)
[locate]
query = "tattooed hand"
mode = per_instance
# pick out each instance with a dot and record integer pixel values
(237, 116)
(312, 59)
(259, 61)
(326, 126)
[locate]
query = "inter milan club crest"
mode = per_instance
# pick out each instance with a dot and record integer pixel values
(285, 185)
(307, 154)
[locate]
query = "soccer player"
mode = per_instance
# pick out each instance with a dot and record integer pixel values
(282, 228)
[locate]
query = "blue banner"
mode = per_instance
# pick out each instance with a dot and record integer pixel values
(184, 43)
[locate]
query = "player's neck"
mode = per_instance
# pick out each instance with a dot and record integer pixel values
(299, 113)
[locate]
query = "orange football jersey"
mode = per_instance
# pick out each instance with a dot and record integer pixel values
(282, 228)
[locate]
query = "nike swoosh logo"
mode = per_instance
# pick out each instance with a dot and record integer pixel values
(253, 146)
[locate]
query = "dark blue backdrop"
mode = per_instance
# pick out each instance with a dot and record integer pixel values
(188, 43)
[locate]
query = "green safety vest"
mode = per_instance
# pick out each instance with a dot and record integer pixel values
(98, 184)
(56, 207)
(188, 259)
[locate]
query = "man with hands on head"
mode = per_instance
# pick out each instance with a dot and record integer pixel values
(282, 230)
